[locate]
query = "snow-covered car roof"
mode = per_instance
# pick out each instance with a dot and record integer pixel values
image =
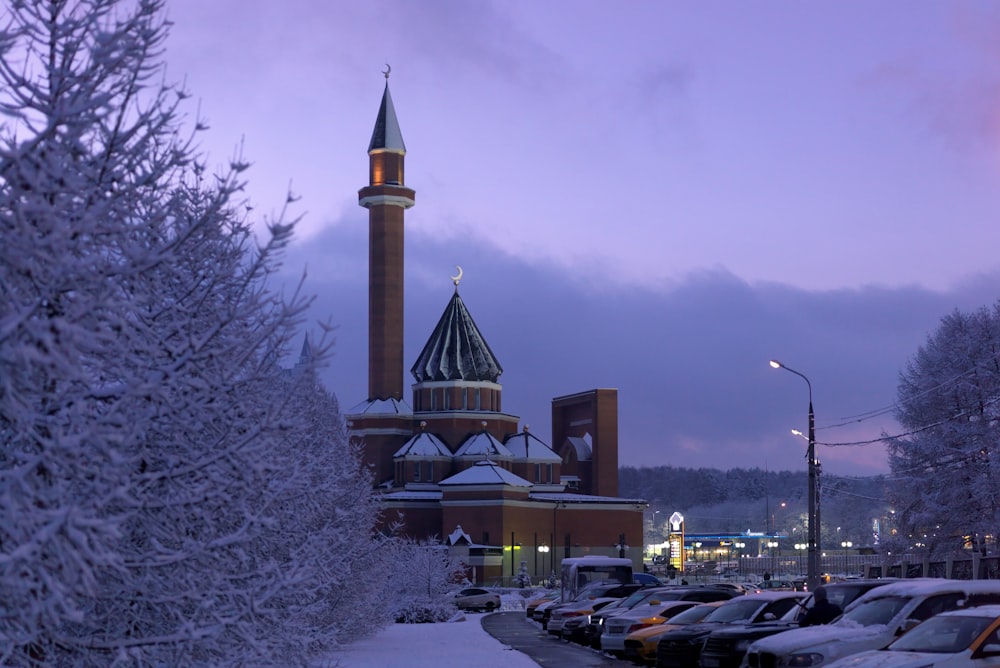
(923, 586)
(845, 632)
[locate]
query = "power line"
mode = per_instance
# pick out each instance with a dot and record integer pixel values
(891, 437)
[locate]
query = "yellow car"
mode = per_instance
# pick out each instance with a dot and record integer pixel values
(640, 646)
(530, 606)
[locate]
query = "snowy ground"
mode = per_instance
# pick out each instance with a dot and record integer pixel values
(458, 643)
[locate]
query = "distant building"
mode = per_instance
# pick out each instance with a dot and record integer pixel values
(454, 465)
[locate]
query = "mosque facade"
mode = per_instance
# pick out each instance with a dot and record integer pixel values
(451, 464)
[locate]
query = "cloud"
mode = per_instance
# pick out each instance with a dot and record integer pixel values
(689, 359)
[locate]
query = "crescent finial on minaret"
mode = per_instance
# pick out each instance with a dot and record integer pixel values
(388, 68)
(456, 279)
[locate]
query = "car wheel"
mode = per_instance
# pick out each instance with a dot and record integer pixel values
(490, 606)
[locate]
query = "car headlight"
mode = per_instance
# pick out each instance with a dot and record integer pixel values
(804, 660)
(741, 645)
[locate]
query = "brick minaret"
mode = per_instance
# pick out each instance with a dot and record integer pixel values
(386, 198)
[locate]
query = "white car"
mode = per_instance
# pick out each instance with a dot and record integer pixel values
(618, 626)
(475, 598)
(871, 622)
(958, 639)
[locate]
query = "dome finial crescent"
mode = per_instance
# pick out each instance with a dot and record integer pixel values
(388, 68)
(456, 279)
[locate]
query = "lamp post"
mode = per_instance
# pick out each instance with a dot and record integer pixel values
(812, 527)
(846, 545)
(771, 544)
(798, 548)
(739, 545)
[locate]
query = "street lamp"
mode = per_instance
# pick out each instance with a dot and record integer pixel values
(798, 548)
(812, 527)
(846, 545)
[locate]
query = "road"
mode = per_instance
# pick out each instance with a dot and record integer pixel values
(514, 629)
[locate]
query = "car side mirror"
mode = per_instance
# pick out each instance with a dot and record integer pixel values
(907, 626)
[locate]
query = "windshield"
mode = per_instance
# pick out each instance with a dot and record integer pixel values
(735, 611)
(946, 634)
(876, 611)
(691, 615)
(634, 599)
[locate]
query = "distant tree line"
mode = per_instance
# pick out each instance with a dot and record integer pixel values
(740, 500)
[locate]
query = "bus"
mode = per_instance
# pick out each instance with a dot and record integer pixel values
(580, 572)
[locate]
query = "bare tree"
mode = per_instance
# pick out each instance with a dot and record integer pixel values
(168, 493)
(946, 469)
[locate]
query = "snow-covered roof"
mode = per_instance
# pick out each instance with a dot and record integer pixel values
(485, 473)
(407, 495)
(483, 444)
(423, 445)
(528, 446)
(459, 535)
(569, 497)
(386, 135)
(456, 349)
(582, 447)
(381, 407)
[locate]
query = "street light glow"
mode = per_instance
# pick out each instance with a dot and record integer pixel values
(812, 527)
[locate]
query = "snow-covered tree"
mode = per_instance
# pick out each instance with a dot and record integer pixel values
(169, 495)
(429, 575)
(945, 486)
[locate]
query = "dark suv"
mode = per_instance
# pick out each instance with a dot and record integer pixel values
(681, 647)
(725, 647)
(699, 594)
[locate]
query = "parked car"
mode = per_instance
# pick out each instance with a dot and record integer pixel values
(726, 647)
(529, 606)
(617, 627)
(647, 579)
(681, 648)
(967, 637)
(871, 622)
(775, 585)
(578, 609)
(640, 646)
(591, 631)
(739, 587)
(599, 590)
(475, 598)
(697, 594)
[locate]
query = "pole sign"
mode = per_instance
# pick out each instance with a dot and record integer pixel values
(676, 541)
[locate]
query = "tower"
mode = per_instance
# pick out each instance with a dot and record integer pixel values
(386, 198)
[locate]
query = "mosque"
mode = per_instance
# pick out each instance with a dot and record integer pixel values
(452, 464)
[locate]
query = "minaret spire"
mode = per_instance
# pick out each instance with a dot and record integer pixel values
(386, 198)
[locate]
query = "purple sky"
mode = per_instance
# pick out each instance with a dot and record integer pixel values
(652, 196)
